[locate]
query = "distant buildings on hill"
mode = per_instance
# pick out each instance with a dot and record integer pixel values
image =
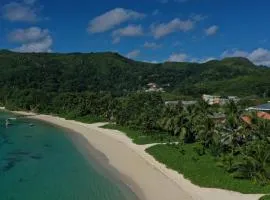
(263, 107)
(153, 87)
(212, 100)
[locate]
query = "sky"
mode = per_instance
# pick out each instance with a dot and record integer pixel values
(145, 30)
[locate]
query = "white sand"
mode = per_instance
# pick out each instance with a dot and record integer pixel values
(156, 182)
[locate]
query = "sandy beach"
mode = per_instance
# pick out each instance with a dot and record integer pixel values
(148, 178)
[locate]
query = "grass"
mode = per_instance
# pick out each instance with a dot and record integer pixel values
(266, 197)
(138, 137)
(202, 170)
(89, 119)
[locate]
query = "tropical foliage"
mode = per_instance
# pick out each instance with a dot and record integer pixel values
(108, 87)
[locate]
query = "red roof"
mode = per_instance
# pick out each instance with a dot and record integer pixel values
(262, 115)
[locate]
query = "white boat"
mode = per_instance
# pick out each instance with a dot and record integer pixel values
(12, 118)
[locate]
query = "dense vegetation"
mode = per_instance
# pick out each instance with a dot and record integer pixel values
(231, 153)
(110, 72)
(108, 87)
(266, 197)
(202, 170)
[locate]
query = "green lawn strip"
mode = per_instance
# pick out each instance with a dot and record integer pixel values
(202, 170)
(266, 197)
(89, 119)
(138, 137)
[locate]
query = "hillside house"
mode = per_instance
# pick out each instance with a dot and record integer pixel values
(212, 100)
(263, 107)
(153, 87)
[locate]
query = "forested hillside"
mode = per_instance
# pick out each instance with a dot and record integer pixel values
(111, 72)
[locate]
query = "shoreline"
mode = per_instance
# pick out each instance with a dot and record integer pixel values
(146, 177)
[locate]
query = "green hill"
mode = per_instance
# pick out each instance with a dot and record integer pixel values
(111, 72)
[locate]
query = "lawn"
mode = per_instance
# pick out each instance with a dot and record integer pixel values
(266, 197)
(202, 170)
(138, 137)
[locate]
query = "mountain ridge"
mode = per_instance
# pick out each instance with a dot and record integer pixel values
(112, 72)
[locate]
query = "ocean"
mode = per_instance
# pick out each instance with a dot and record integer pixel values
(39, 161)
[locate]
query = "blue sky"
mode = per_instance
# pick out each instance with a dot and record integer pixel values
(147, 30)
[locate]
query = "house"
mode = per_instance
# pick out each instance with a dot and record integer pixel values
(153, 87)
(212, 100)
(171, 102)
(263, 107)
(260, 114)
(184, 103)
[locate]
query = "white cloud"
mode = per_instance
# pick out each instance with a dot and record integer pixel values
(198, 17)
(128, 31)
(43, 45)
(28, 35)
(33, 39)
(116, 40)
(30, 2)
(151, 45)
(23, 12)
(212, 30)
(161, 30)
(202, 60)
(234, 53)
(178, 57)
(258, 56)
(111, 19)
(133, 54)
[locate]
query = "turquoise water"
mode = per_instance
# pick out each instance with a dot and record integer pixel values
(41, 163)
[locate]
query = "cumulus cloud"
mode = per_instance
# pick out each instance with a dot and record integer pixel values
(178, 57)
(258, 56)
(212, 30)
(128, 31)
(234, 53)
(33, 39)
(133, 54)
(30, 2)
(111, 19)
(28, 35)
(198, 17)
(151, 45)
(183, 57)
(21, 12)
(43, 45)
(163, 29)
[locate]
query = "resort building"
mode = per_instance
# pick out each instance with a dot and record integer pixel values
(184, 103)
(153, 87)
(212, 100)
(263, 107)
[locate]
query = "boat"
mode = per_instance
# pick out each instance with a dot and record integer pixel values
(7, 123)
(12, 118)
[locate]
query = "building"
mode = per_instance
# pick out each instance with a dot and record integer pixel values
(184, 103)
(153, 87)
(263, 107)
(212, 100)
(260, 114)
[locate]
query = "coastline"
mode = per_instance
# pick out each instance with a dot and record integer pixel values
(147, 178)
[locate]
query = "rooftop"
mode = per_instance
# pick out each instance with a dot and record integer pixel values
(263, 107)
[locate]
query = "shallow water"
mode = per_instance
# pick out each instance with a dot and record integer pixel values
(41, 163)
